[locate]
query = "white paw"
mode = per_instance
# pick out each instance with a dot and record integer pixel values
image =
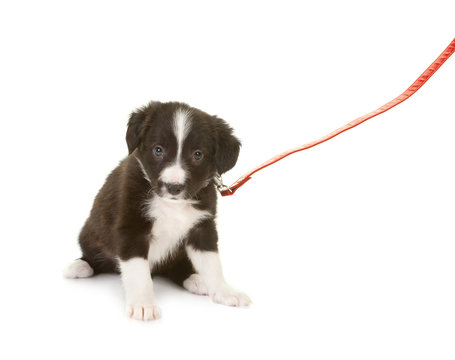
(225, 295)
(195, 285)
(143, 312)
(78, 269)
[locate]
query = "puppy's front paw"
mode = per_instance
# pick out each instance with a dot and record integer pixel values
(226, 295)
(143, 312)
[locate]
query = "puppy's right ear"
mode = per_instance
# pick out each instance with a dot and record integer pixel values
(136, 125)
(133, 134)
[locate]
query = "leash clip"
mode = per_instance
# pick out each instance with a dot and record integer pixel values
(220, 186)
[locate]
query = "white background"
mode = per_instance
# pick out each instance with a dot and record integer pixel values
(347, 249)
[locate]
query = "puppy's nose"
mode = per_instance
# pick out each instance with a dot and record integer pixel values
(174, 189)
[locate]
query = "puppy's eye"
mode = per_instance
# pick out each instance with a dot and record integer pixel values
(197, 155)
(158, 151)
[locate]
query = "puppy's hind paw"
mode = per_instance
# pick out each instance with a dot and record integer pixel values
(78, 269)
(194, 284)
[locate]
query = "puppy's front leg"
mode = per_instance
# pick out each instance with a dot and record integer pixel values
(202, 250)
(137, 281)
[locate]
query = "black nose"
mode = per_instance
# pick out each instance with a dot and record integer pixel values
(174, 189)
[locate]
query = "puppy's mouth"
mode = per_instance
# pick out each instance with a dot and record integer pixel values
(179, 192)
(167, 196)
(182, 195)
(177, 200)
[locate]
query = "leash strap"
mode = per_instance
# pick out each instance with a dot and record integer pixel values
(422, 79)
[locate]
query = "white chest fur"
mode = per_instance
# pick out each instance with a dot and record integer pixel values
(172, 219)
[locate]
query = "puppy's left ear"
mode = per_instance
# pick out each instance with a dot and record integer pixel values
(228, 146)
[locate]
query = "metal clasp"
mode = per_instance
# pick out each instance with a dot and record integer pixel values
(220, 185)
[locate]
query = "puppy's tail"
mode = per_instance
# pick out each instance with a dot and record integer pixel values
(78, 269)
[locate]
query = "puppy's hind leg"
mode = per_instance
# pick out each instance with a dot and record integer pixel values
(208, 266)
(194, 284)
(93, 260)
(182, 273)
(78, 269)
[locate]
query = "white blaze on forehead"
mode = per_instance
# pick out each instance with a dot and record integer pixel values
(181, 125)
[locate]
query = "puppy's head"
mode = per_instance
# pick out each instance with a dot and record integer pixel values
(180, 148)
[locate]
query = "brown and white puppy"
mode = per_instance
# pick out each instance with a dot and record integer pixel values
(155, 213)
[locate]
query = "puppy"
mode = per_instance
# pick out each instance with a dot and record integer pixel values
(155, 214)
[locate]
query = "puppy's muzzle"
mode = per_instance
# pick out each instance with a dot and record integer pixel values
(174, 188)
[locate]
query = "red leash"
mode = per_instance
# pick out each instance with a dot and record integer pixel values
(422, 79)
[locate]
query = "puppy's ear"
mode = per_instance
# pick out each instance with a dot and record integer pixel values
(228, 146)
(136, 125)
